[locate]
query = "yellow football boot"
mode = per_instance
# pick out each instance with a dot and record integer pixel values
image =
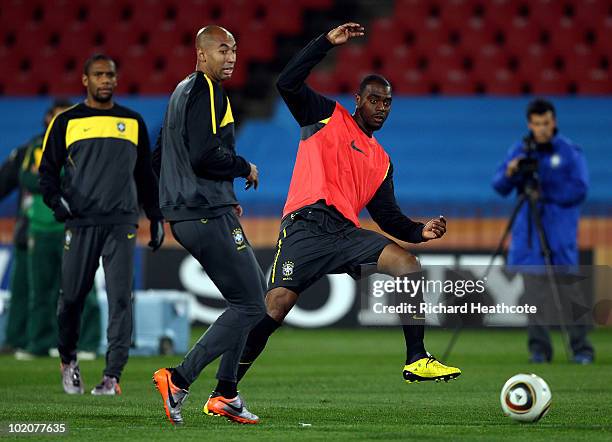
(429, 369)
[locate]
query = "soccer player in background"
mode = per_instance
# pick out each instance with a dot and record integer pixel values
(197, 163)
(45, 249)
(103, 149)
(339, 170)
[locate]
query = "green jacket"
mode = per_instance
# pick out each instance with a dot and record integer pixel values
(40, 216)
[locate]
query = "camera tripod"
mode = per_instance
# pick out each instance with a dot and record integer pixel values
(530, 196)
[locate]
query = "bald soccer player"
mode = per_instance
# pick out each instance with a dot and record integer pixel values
(197, 163)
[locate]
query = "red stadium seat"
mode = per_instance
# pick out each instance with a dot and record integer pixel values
(105, 13)
(413, 82)
(15, 13)
(190, 18)
(383, 36)
(459, 13)
(549, 82)
(124, 37)
(443, 59)
(316, 4)
(411, 13)
(603, 30)
(348, 76)
(160, 12)
(597, 82)
(549, 12)
(22, 84)
(520, 35)
(66, 84)
(323, 82)
(502, 82)
(261, 48)
(455, 82)
(394, 66)
(33, 38)
(281, 15)
(588, 12)
(477, 33)
(165, 39)
(353, 55)
(487, 60)
(580, 62)
(535, 60)
(567, 36)
(432, 35)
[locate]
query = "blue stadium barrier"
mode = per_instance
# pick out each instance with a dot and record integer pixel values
(444, 150)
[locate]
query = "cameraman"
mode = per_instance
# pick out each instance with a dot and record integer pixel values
(551, 169)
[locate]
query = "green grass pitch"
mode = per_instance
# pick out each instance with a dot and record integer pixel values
(346, 384)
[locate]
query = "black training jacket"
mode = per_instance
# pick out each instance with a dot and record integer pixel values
(105, 154)
(195, 156)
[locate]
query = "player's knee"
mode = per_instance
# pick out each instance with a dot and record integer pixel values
(279, 302)
(408, 263)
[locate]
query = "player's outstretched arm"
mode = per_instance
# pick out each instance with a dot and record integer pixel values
(307, 106)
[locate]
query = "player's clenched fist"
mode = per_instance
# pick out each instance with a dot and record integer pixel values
(435, 228)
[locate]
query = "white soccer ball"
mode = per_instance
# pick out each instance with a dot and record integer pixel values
(525, 398)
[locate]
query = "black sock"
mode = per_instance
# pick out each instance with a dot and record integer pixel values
(414, 324)
(178, 380)
(227, 389)
(415, 348)
(256, 342)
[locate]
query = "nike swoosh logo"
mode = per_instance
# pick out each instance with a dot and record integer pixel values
(131, 235)
(86, 129)
(356, 148)
(170, 398)
(233, 407)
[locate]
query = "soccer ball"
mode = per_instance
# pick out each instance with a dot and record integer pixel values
(525, 398)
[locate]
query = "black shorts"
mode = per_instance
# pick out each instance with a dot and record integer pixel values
(315, 242)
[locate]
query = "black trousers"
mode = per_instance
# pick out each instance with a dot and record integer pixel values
(220, 246)
(83, 247)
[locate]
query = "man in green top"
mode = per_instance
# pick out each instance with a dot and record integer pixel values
(18, 286)
(45, 249)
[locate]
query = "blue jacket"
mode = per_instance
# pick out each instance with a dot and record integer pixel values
(564, 183)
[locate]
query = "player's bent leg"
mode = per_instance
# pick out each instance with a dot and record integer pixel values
(396, 261)
(279, 302)
(420, 365)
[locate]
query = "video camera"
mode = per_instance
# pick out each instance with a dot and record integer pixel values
(528, 166)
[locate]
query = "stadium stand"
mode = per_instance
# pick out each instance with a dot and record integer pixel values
(456, 47)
